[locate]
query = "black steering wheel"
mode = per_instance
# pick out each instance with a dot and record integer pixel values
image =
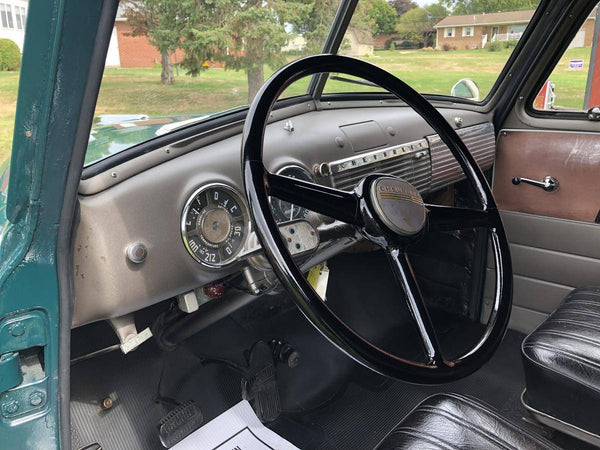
(387, 211)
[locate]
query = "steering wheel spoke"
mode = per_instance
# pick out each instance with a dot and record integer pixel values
(449, 218)
(407, 282)
(334, 203)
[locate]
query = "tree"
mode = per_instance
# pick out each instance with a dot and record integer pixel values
(488, 6)
(383, 16)
(436, 12)
(244, 35)
(161, 21)
(417, 24)
(313, 20)
(412, 24)
(402, 6)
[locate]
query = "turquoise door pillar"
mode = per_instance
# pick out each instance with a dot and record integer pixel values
(59, 81)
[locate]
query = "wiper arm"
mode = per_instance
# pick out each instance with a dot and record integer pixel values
(353, 81)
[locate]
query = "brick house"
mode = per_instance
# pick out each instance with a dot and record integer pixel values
(125, 50)
(477, 30)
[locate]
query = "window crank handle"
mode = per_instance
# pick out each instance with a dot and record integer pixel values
(548, 184)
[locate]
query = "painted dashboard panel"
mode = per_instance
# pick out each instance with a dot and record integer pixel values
(147, 207)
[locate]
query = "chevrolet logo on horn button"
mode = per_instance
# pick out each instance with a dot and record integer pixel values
(399, 205)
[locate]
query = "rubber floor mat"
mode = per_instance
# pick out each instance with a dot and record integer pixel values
(357, 418)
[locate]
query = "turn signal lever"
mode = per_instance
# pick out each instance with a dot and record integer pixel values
(548, 184)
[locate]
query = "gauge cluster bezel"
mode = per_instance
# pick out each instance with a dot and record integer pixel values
(245, 217)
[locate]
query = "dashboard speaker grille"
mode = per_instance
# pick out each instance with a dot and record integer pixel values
(481, 142)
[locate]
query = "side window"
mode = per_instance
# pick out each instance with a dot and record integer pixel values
(574, 84)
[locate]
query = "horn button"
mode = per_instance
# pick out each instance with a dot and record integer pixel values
(398, 204)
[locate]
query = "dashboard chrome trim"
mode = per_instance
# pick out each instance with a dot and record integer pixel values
(373, 157)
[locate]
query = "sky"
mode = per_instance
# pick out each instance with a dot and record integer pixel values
(424, 2)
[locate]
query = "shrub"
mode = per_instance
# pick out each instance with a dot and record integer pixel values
(392, 47)
(510, 44)
(10, 55)
(494, 46)
(446, 47)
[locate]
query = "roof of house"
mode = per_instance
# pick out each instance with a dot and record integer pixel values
(486, 19)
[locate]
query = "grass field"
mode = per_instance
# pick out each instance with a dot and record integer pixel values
(138, 91)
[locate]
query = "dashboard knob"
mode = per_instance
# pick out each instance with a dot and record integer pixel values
(322, 170)
(136, 253)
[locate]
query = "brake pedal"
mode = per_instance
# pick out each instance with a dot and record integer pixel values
(259, 384)
(179, 423)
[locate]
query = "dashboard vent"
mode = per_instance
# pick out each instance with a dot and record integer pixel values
(481, 142)
(414, 167)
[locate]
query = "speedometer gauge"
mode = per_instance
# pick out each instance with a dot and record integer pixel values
(214, 225)
(285, 211)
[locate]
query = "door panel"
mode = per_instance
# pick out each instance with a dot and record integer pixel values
(550, 258)
(572, 158)
(554, 242)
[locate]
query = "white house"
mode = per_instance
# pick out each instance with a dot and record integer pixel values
(12, 20)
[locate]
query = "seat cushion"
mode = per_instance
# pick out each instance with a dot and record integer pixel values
(453, 421)
(562, 361)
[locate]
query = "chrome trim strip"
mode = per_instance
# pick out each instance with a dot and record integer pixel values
(375, 156)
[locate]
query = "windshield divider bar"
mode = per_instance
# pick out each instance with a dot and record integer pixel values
(333, 43)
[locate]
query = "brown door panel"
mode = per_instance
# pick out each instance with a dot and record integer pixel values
(572, 158)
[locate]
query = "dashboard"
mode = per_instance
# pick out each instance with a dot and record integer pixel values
(175, 220)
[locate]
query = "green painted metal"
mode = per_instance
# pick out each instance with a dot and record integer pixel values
(108, 139)
(22, 331)
(59, 41)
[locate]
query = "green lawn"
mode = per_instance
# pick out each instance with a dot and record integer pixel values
(138, 91)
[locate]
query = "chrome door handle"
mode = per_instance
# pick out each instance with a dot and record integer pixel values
(548, 184)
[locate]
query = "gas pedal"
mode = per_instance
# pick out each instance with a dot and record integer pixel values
(259, 384)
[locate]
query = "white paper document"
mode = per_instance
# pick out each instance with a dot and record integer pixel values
(238, 428)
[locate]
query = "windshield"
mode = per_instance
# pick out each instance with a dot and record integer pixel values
(450, 47)
(173, 63)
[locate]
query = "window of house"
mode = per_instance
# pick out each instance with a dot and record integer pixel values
(20, 17)
(3, 15)
(9, 16)
(448, 32)
(467, 31)
(570, 86)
